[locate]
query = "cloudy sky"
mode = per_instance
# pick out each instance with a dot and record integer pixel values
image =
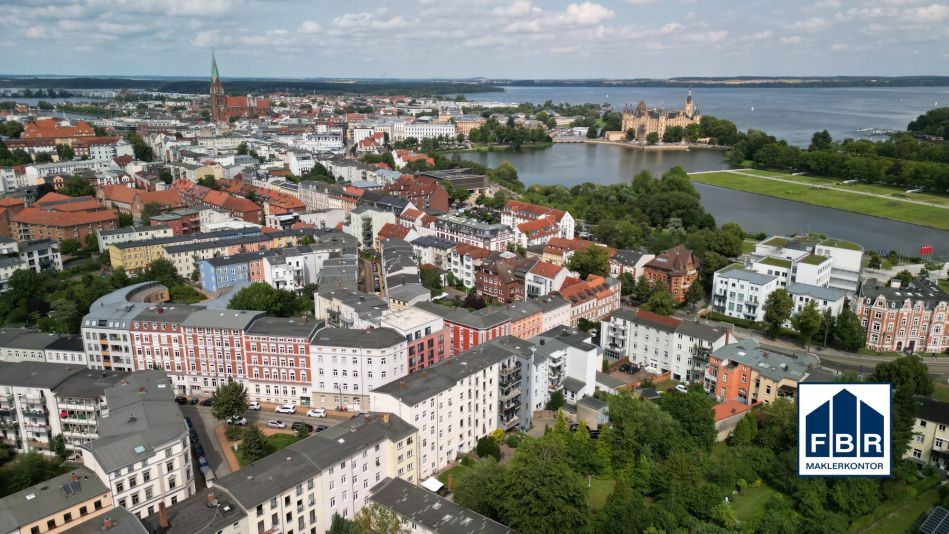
(465, 38)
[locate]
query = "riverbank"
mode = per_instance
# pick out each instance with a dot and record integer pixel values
(662, 147)
(498, 148)
(867, 199)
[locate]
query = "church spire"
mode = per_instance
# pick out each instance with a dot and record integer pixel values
(214, 74)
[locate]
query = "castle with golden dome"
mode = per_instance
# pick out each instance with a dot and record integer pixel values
(645, 121)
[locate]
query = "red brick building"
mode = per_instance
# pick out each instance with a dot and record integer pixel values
(676, 268)
(426, 193)
(914, 319)
(59, 217)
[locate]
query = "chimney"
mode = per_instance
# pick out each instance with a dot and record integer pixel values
(765, 354)
(211, 500)
(451, 482)
(74, 477)
(401, 384)
(367, 418)
(162, 515)
(107, 523)
(385, 418)
(425, 375)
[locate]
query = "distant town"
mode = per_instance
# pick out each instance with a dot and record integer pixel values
(297, 311)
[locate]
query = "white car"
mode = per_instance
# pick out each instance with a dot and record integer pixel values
(276, 424)
(237, 420)
(255, 405)
(316, 412)
(682, 388)
(286, 408)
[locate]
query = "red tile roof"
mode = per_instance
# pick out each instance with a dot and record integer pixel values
(515, 206)
(728, 409)
(670, 322)
(393, 230)
(50, 129)
(56, 218)
(545, 269)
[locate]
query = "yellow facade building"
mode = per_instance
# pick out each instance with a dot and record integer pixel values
(645, 121)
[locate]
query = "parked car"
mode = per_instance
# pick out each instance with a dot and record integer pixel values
(320, 428)
(316, 412)
(207, 402)
(181, 400)
(237, 420)
(254, 405)
(682, 388)
(298, 424)
(198, 450)
(286, 408)
(625, 368)
(202, 461)
(276, 424)
(189, 423)
(194, 400)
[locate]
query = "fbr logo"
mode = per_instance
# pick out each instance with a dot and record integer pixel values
(843, 429)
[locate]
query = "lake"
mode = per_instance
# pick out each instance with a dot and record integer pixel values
(792, 114)
(570, 164)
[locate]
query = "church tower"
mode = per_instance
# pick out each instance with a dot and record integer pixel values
(688, 104)
(217, 94)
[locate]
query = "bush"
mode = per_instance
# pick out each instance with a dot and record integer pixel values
(721, 317)
(233, 432)
(488, 447)
(467, 461)
(515, 439)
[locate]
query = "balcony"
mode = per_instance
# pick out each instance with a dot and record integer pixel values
(36, 427)
(512, 422)
(510, 393)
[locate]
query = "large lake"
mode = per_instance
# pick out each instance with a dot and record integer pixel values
(793, 114)
(571, 164)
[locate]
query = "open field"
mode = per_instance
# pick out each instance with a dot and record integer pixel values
(895, 192)
(895, 208)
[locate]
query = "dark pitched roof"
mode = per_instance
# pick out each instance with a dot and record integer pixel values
(932, 410)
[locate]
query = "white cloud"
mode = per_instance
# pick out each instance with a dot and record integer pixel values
(811, 24)
(826, 4)
(926, 14)
(791, 39)
(517, 9)
(310, 26)
(839, 47)
(639, 2)
(587, 13)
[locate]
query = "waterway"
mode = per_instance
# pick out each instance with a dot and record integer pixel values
(572, 164)
(789, 113)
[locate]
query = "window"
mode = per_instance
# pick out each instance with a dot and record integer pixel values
(83, 510)
(917, 453)
(51, 524)
(67, 517)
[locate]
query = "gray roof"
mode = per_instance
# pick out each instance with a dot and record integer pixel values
(244, 257)
(135, 229)
(25, 338)
(283, 327)
(549, 303)
(627, 257)
(227, 319)
(572, 384)
(49, 497)
(685, 327)
(829, 294)
(38, 244)
(374, 338)
(745, 275)
(305, 459)
(609, 381)
(9, 262)
(416, 387)
(769, 361)
(142, 417)
(430, 511)
(167, 313)
(430, 241)
(36, 374)
(594, 403)
(194, 516)
(123, 522)
(932, 410)
(88, 383)
(481, 319)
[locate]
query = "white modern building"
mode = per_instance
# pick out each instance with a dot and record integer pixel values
(349, 364)
(741, 293)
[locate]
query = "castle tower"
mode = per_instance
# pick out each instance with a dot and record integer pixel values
(217, 94)
(688, 104)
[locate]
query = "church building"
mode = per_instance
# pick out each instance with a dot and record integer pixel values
(645, 121)
(224, 107)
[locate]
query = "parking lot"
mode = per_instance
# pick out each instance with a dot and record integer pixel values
(204, 424)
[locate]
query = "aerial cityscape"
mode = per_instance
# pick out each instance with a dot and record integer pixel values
(474, 267)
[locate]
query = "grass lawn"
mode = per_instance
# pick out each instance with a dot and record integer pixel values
(904, 515)
(275, 442)
(941, 392)
(750, 503)
(876, 189)
(665, 384)
(944, 285)
(600, 490)
(457, 473)
(748, 245)
(811, 194)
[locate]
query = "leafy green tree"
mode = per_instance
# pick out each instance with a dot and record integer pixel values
(848, 331)
(165, 176)
(693, 295)
(259, 296)
(69, 246)
(693, 410)
(660, 302)
(745, 431)
(65, 152)
(777, 310)
(482, 488)
(230, 399)
(909, 377)
(253, 445)
(149, 210)
(591, 260)
(593, 132)
(341, 525)
(905, 277)
(29, 469)
(581, 452)
(302, 432)
(556, 401)
(74, 186)
(65, 316)
(376, 519)
(431, 280)
(58, 446)
(542, 493)
(807, 322)
(42, 157)
(625, 512)
(821, 141)
(652, 138)
(242, 149)
(11, 129)
(209, 181)
(777, 425)
(488, 447)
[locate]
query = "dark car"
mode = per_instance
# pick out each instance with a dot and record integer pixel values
(198, 450)
(194, 400)
(207, 402)
(298, 424)
(181, 400)
(625, 367)
(320, 428)
(189, 423)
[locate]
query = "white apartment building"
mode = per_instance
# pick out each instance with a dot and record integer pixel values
(825, 298)
(105, 329)
(42, 170)
(131, 233)
(348, 364)
(142, 454)
(421, 130)
(364, 224)
(817, 261)
(348, 308)
(470, 232)
(740, 293)
(930, 443)
(661, 344)
(300, 162)
(26, 345)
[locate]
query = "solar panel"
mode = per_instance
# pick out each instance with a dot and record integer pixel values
(71, 487)
(937, 522)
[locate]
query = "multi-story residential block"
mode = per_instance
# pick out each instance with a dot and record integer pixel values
(302, 487)
(183, 221)
(556, 310)
(930, 443)
(55, 505)
(38, 223)
(464, 261)
(26, 345)
(132, 233)
(527, 318)
(912, 319)
(503, 278)
(421, 130)
(470, 232)
(544, 278)
(365, 222)
(220, 272)
(661, 344)
(277, 353)
(426, 336)
(213, 351)
(590, 299)
(431, 250)
(350, 363)
(629, 261)
(142, 453)
(105, 329)
(516, 213)
(741, 293)
(41, 255)
(423, 192)
(677, 268)
(825, 298)
(348, 308)
(402, 285)
(469, 329)
(750, 373)
(817, 261)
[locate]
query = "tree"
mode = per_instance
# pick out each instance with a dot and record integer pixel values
(242, 149)
(488, 447)
(431, 280)
(149, 210)
(693, 295)
(253, 445)
(591, 260)
(69, 246)
(693, 410)
(74, 186)
(259, 296)
(65, 152)
(593, 132)
(745, 431)
(377, 519)
(29, 469)
(42, 157)
(820, 141)
(230, 399)
(58, 446)
(482, 488)
(807, 322)
(302, 432)
(581, 452)
(848, 331)
(777, 310)
(474, 301)
(165, 176)
(341, 525)
(905, 277)
(875, 262)
(556, 401)
(625, 512)
(660, 302)
(652, 138)
(543, 493)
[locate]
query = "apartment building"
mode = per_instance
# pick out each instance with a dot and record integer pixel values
(590, 299)
(456, 229)
(421, 130)
(278, 356)
(132, 233)
(842, 272)
(930, 443)
(661, 344)
(750, 373)
(142, 453)
(348, 308)
(544, 278)
(426, 336)
(423, 512)
(530, 222)
(213, 351)
(41, 255)
(469, 329)
(677, 268)
(805, 268)
(741, 293)
(912, 319)
(351, 363)
(24, 344)
(464, 261)
(55, 505)
(219, 272)
(302, 487)
(632, 262)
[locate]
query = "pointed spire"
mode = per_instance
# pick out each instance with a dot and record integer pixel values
(214, 74)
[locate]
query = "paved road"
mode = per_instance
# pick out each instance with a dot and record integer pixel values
(204, 424)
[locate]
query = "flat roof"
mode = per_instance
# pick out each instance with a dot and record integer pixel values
(49, 497)
(283, 327)
(430, 510)
(370, 338)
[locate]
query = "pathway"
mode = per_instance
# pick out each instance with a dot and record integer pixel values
(841, 189)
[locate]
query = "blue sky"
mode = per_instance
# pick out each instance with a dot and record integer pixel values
(464, 38)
